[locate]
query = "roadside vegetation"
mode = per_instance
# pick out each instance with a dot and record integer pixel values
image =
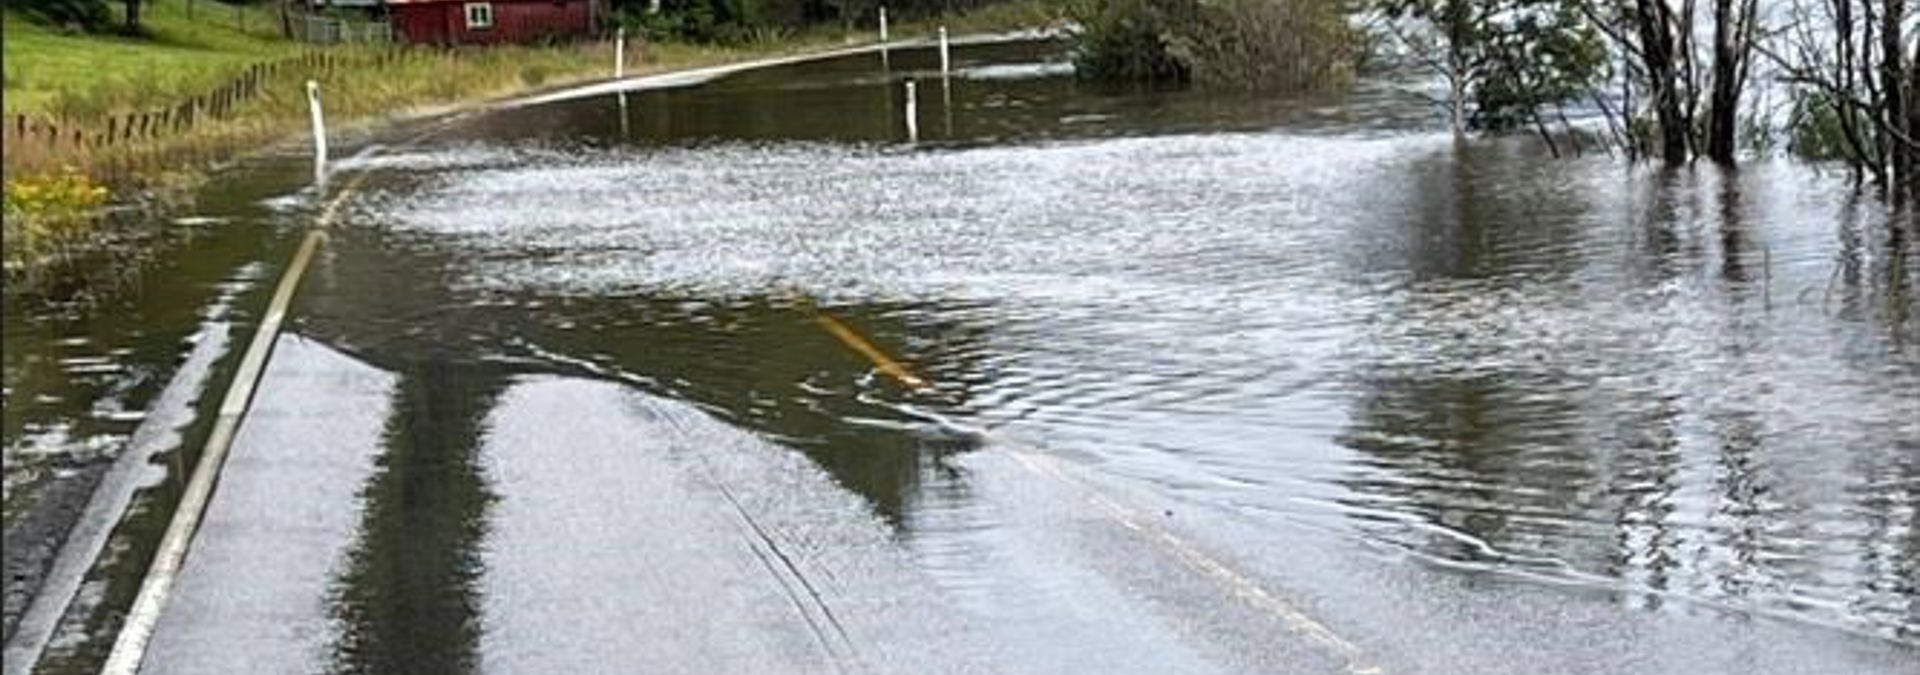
(1242, 44)
(1672, 80)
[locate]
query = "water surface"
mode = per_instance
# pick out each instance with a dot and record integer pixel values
(1685, 384)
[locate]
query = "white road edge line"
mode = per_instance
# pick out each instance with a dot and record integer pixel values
(130, 646)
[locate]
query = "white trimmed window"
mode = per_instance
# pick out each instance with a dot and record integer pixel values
(479, 15)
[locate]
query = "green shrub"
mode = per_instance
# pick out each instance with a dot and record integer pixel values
(1814, 129)
(85, 15)
(1126, 41)
(1242, 44)
(1268, 44)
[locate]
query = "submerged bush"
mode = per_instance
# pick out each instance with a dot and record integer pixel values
(1268, 44)
(1126, 41)
(1249, 44)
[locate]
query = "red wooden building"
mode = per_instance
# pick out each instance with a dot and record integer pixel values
(462, 22)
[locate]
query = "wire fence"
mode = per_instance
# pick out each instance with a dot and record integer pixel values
(327, 30)
(113, 143)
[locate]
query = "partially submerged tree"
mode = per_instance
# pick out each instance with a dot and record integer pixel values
(1446, 36)
(1856, 82)
(1735, 28)
(1654, 39)
(1504, 61)
(1683, 67)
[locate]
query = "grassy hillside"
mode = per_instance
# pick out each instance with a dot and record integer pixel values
(49, 70)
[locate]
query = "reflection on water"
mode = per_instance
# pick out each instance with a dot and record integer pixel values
(1003, 93)
(406, 602)
(1682, 388)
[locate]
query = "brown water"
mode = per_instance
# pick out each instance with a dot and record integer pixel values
(1686, 385)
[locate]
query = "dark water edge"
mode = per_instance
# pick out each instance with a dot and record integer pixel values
(87, 351)
(93, 337)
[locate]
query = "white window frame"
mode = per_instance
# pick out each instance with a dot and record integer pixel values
(479, 15)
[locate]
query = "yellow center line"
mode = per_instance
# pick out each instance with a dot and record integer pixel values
(879, 358)
(346, 192)
(1237, 584)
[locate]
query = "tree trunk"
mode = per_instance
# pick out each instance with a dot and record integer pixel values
(133, 17)
(1458, 13)
(1864, 155)
(1723, 108)
(1894, 90)
(1657, 50)
(1913, 117)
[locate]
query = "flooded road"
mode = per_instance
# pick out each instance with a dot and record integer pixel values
(1212, 385)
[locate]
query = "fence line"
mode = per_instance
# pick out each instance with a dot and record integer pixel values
(44, 140)
(331, 30)
(121, 144)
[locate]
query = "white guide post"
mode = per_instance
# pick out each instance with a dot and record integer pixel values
(946, 62)
(620, 52)
(883, 25)
(625, 125)
(913, 115)
(319, 133)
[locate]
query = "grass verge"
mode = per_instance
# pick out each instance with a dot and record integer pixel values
(51, 71)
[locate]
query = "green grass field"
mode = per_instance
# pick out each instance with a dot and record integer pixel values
(51, 71)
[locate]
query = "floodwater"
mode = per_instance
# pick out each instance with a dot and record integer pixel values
(1214, 384)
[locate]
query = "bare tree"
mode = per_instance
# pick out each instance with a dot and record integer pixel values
(1655, 40)
(1848, 55)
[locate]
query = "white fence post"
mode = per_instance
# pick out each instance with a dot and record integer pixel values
(620, 52)
(883, 24)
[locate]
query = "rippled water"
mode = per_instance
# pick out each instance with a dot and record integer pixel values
(1688, 383)
(1679, 384)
